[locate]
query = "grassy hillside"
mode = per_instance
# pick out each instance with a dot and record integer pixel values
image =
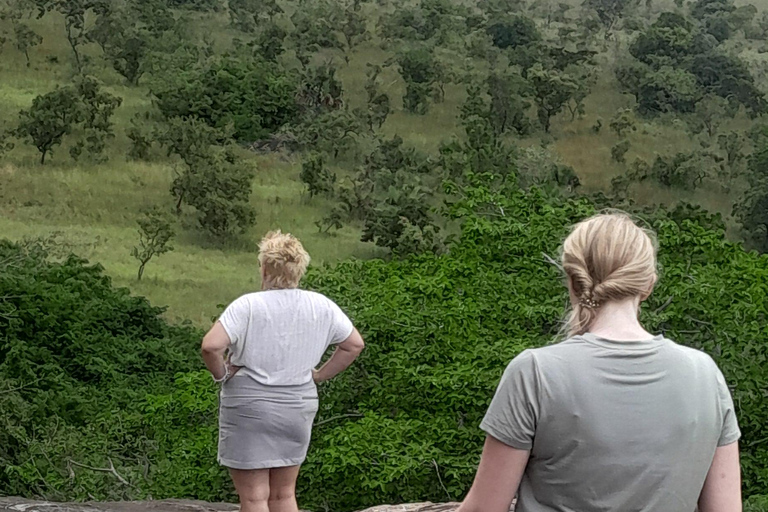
(92, 208)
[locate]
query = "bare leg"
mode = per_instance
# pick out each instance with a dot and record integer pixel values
(282, 489)
(252, 485)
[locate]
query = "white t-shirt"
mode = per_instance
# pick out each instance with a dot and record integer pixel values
(279, 336)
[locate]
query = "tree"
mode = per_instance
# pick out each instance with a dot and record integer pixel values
(256, 97)
(247, 15)
(98, 106)
(623, 121)
(619, 151)
(552, 89)
(752, 213)
(710, 112)
(74, 12)
(608, 11)
(418, 69)
(269, 41)
(316, 176)
(26, 38)
(353, 28)
(585, 77)
(195, 143)
(49, 119)
(155, 235)
(319, 89)
(333, 132)
(732, 143)
(219, 189)
(378, 102)
(513, 31)
(509, 103)
(315, 25)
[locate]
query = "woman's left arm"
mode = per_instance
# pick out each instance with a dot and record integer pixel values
(215, 345)
(498, 477)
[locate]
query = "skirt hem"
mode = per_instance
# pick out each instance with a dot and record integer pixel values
(267, 464)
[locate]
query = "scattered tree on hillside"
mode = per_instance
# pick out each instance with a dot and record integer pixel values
(418, 69)
(247, 15)
(484, 147)
(682, 170)
(316, 26)
(256, 97)
(513, 31)
(26, 38)
(585, 77)
(332, 132)
(316, 176)
(269, 40)
(608, 11)
(353, 27)
(538, 166)
(619, 151)
(98, 106)
(710, 112)
(552, 90)
(509, 102)
(219, 189)
(677, 64)
(623, 121)
(193, 141)
(733, 144)
(319, 89)
(155, 234)
(74, 13)
(752, 213)
(49, 119)
(378, 102)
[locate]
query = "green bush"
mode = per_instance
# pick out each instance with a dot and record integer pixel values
(256, 97)
(90, 376)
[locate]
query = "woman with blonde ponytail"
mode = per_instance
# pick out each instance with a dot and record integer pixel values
(613, 418)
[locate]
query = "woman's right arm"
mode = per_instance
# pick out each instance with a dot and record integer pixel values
(722, 488)
(344, 355)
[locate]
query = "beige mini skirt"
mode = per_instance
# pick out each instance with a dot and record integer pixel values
(264, 426)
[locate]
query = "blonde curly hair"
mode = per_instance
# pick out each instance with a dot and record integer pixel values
(283, 260)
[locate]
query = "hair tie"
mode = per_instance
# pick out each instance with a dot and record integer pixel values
(588, 303)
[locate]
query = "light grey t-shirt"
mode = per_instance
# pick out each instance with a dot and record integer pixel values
(613, 426)
(279, 336)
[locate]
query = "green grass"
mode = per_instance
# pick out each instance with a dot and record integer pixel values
(94, 207)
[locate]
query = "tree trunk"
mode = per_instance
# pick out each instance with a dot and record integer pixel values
(178, 203)
(26, 54)
(42, 158)
(141, 270)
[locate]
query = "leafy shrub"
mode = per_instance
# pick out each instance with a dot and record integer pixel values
(256, 97)
(102, 380)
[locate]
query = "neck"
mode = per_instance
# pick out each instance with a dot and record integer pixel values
(618, 320)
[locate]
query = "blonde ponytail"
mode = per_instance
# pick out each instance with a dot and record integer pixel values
(606, 258)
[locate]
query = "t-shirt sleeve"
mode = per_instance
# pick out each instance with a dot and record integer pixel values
(235, 320)
(341, 325)
(730, 432)
(514, 411)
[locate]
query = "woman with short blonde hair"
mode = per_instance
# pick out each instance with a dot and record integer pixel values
(613, 418)
(268, 401)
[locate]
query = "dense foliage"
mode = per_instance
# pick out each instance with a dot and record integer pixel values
(93, 378)
(257, 97)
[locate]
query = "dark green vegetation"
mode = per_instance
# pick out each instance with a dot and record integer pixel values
(361, 127)
(238, 116)
(93, 378)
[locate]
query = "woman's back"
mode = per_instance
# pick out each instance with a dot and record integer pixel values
(279, 336)
(613, 425)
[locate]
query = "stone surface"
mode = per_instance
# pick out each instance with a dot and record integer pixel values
(24, 505)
